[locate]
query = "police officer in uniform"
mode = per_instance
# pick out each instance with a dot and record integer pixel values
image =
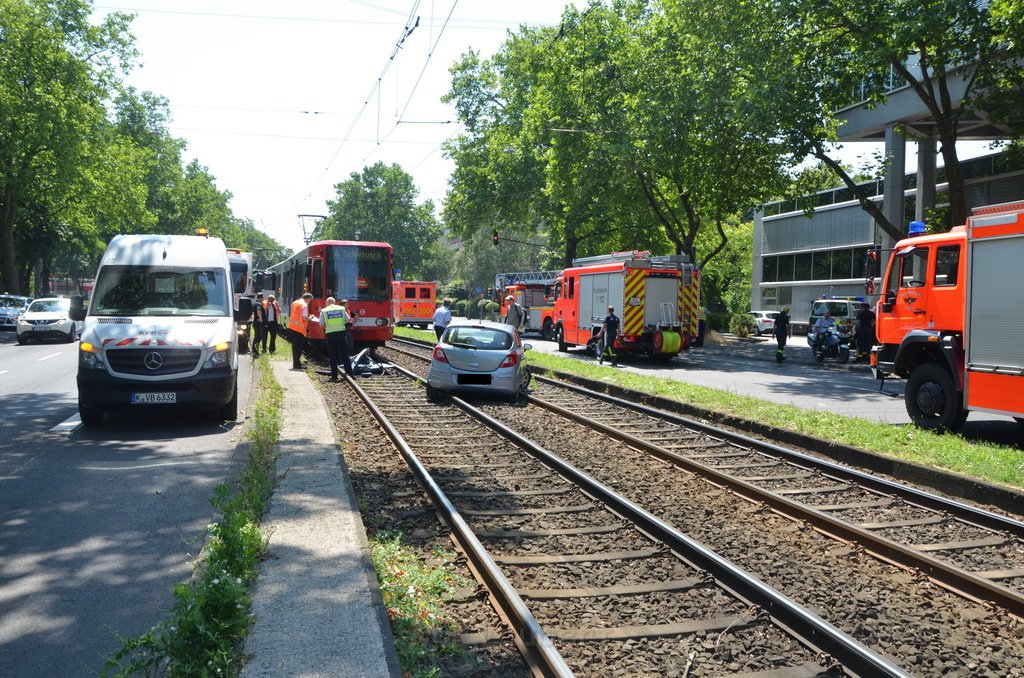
(336, 321)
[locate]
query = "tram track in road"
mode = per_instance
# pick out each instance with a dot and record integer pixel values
(575, 550)
(897, 609)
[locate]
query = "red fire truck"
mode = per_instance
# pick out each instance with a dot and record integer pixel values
(413, 303)
(656, 298)
(951, 317)
(534, 291)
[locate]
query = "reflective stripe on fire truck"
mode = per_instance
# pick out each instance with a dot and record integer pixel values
(692, 292)
(634, 296)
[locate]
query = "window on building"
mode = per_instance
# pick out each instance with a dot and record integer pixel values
(947, 265)
(769, 297)
(842, 264)
(822, 265)
(802, 266)
(769, 269)
(785, 268)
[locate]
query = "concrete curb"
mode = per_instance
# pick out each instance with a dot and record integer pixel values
(316, 605)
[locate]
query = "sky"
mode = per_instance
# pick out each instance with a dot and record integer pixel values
(281, 101)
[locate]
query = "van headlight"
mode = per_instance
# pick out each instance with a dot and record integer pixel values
(89, 357)
(220, 358)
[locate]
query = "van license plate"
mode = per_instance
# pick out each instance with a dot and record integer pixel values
(153, 398)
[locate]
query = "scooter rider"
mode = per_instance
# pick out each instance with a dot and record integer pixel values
(821, 327)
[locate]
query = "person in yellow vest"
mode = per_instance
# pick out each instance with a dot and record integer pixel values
(298, 324)
(336, 321)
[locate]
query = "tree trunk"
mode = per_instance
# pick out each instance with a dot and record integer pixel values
(8, 272)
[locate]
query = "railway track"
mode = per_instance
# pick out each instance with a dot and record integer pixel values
(971, 551)
(584, 576)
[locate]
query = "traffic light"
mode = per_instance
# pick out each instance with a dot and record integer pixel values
(495, 238)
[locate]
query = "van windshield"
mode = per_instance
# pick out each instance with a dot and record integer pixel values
(160, 291)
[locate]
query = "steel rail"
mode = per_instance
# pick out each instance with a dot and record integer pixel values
(965, 512)
(951, 577)
(855, 657)
(535, 645)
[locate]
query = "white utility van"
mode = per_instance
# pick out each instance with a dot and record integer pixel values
(160, 329)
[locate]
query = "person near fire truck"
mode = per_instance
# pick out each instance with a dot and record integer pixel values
(609, 330)
(865, 332)
(515, 315)
(821, 327)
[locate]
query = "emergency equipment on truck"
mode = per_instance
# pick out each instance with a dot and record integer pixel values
(657, 300)
(951, 318)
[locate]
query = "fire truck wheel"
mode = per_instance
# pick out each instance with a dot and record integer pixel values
(932, 401)
(560, 336)
(546, 332)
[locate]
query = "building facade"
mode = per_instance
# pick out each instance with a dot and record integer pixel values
(800, 256)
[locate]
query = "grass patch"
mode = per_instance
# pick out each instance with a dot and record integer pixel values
(987, 461)
(414, 594)
(211, 613)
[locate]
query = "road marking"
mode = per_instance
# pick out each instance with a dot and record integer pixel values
(52, 355)
(68, 425)
(133, 468)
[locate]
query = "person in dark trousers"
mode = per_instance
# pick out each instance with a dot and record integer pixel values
(298, 324)
(273, 320)
(335, 320)
(781, 333)
(865, 332)
(259, 326)
(609, 330)
(442, 317)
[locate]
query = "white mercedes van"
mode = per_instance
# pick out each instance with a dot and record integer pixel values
(160, 329)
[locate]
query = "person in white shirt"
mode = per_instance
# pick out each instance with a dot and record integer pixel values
(442, 317)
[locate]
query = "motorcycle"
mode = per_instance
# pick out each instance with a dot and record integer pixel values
(835, 344)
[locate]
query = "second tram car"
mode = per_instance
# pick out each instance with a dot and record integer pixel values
(344, 269)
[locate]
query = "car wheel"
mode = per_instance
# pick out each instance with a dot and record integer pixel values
(514, 398)
(229, 412)
(434, 395)
(90, 416)
(22, 340)
(72, 335)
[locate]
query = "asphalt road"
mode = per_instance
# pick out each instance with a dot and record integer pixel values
(97, 525)
(748, 368)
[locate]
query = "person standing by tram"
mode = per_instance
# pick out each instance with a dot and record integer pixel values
(298, 325)
(336, 321)
(273, 318)
(259, 326)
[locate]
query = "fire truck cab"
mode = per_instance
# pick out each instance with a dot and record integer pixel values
(950, 319)
(534, 291)
(656, 299)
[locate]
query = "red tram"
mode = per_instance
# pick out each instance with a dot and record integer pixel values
(344, 269)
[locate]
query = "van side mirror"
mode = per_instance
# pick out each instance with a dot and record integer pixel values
(244, 311)
(77, 311)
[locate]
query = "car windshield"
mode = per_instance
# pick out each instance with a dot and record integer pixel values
(482, 338)
(12, 302)
(160, 291)
(49, 306)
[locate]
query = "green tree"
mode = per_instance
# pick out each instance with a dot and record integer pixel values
(56, 71)
(379, 204)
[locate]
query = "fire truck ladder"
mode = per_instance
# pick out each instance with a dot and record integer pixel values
(502, 280)
(609, 258)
